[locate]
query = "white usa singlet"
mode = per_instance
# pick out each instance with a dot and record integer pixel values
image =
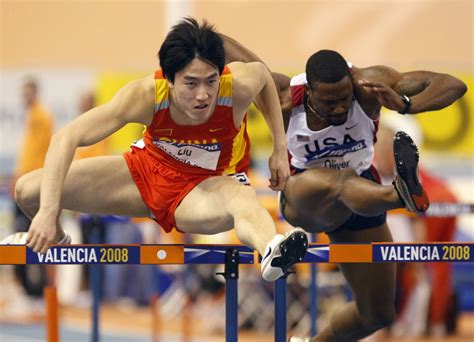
(335, 147)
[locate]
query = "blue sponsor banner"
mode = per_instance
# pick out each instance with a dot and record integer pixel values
(317, 253)
(208, 254)
(336, 150)
(67, 255)
(423, 252)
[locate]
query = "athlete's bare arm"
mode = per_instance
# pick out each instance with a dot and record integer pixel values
(253, 82)
(282, 83)
(381, 86)
(235, 51)
(133, 103)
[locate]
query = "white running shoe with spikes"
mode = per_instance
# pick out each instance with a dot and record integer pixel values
(282, 252)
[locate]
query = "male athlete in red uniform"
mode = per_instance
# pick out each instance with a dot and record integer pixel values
(194, 110)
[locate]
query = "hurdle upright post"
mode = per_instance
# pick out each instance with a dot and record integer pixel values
(313, 298)
(280, 309)
(51, 301)
(231, 275)
(95, 283)
(52, 326)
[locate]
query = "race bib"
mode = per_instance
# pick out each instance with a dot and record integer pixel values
(205, 156)
(241, 177)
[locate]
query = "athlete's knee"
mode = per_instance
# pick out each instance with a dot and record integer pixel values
(345, 178)
(333, 181)
(244, 196)
(244, 203)
(346, 189)
(335, 185)
(27, 192)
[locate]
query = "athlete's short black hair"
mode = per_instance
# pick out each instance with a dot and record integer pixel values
(326, 66)
(188, 40)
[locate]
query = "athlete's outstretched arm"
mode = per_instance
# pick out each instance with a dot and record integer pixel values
(253, 82)
(133, 103)
(430, 90)
(427, 90)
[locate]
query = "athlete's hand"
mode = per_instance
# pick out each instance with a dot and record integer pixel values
(42, 232)
(386, 96)
(279, 169)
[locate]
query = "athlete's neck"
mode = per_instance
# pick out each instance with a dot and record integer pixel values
(314, 121)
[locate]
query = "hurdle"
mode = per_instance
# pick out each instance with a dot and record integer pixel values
(368, 253)
(234, 255)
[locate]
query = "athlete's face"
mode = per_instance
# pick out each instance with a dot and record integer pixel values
(196, 88)
(331, 101)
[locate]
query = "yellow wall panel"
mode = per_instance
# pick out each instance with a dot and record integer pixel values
(451, 129)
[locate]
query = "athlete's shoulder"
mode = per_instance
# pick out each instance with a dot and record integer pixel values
(247, 79)
(298, 80)
(246, 70)
(297, 84)
(142, 87)
(135, 100)
(376, 73)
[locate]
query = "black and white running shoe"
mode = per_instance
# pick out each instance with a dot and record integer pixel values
(407, 182)
(282, 252)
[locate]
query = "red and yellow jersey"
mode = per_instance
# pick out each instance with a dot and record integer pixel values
(215, 147)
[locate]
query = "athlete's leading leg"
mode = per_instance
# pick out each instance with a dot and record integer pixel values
(368, 198)
(408, 191)
(373, 286)
(221, 203)
(323, 199)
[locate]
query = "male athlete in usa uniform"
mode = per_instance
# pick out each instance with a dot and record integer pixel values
(331, 114)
